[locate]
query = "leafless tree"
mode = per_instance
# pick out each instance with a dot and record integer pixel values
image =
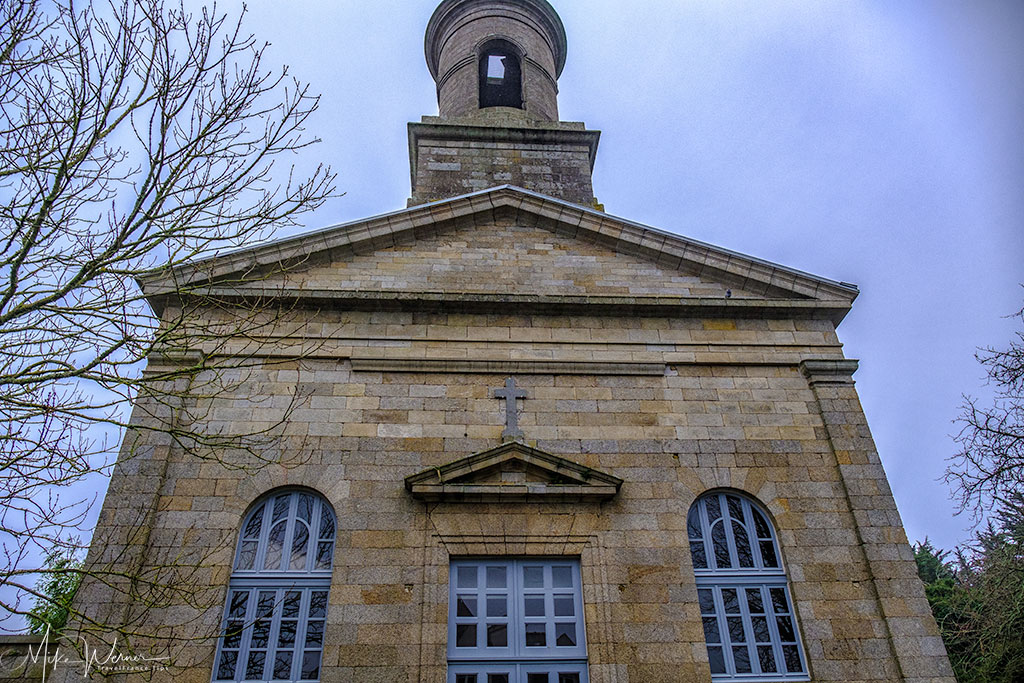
(134, 137)
(989, 469)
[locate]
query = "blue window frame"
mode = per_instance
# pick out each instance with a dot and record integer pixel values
(749, 625)
(276, 611)
(516, 621)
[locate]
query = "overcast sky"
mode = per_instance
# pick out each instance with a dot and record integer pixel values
(869, 141)
(877, 142)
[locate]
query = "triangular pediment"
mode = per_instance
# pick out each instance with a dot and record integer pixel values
(507, 246)
(512, 472)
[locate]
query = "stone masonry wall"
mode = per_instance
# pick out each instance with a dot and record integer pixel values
(449, 161)
(506, 258)
(734, 404)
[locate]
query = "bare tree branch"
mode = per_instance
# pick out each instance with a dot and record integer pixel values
(135, 137)
(989, 469)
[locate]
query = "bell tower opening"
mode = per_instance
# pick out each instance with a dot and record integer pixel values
(496, 65)
(501, 76)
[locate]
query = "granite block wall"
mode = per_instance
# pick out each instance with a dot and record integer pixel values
(766, 407)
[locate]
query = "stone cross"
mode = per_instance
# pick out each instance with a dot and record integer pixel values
(511, 395)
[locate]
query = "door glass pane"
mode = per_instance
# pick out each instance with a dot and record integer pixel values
(465, 635)
(497, 635)
(497, 607)
(535, 635)
(496, 577)
(564, 606)
(466, 606)
(561, 577)
(565, 635)
(467, 577)
(533, 577)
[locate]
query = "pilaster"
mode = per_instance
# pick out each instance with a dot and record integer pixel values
(911, 630)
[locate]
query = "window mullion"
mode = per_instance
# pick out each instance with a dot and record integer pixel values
(723, 629)
(245, 642)
(300, 633)
(730, 539)
(755, 542)
(748, 628)
(773, 627)
(313, 538)
(275, 629)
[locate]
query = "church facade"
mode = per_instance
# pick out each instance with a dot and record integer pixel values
(526, 441)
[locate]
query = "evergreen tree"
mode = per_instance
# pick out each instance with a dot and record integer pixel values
(55, 591)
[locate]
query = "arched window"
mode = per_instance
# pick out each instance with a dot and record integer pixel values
(745, 605)
(273, 627)
(501, 79)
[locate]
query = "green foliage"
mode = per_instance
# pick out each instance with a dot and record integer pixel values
(56, 589)
(978, 598)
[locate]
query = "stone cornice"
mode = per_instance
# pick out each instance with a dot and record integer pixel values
(504, 367)
(829, 371)
(523, 304)
(782, 287)
(519, 132)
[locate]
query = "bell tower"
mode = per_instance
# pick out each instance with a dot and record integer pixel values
(496, 64)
